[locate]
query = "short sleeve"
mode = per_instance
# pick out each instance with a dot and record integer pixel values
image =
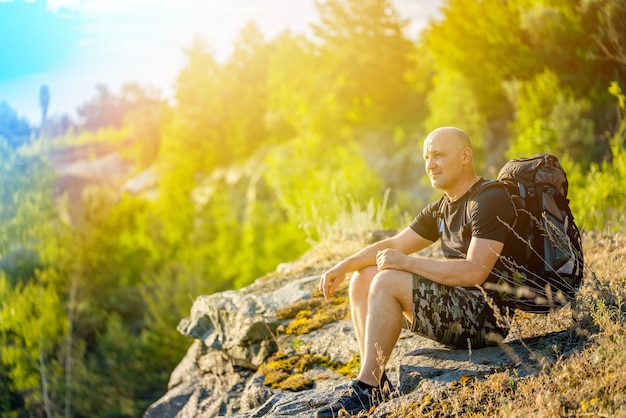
(425, 223)
(492, 214)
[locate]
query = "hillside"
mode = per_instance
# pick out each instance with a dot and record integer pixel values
(276, 349)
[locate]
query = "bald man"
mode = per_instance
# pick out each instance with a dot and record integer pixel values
(436, 298)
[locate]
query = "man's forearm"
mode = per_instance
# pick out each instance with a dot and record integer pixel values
(457, 272)
(366, 256)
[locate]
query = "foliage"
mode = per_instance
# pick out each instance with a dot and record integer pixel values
(516, 42)
(105, 135)
(332, 172)
(13, 129)
(601, 201)
(107, 109)
(606, 21)
(275, 148)
(364, 47)
(551, 120)
(497, 46)
(32, 327)
(245, 93)
(25, 202)
(295, 102)
(452, 103)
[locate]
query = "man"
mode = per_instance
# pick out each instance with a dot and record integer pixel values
(437, 298)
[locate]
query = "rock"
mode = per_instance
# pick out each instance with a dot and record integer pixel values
(242, 324)
(234, 334)
(441, 366)
(237, 331)
(423, 371)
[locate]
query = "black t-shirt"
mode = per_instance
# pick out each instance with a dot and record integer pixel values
(483, 212)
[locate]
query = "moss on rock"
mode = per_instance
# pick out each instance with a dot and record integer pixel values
(287, 372)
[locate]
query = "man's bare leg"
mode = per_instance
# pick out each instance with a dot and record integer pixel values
(359, 291)
(390, 300)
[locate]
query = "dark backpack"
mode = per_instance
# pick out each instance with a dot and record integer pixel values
(547, 268)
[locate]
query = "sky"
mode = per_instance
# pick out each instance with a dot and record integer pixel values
(72, 45)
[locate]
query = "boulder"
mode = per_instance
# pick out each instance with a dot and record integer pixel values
(237, 331)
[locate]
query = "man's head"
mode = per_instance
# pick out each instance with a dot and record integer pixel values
(448, 158)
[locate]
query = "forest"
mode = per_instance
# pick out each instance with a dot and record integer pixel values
(256, 160)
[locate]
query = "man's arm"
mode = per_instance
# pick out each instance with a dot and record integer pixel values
(471, 271)
(405, 242)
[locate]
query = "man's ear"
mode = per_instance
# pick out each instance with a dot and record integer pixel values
(466, 155)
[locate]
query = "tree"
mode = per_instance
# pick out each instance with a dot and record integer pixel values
(598, 194)
(101, 111)
(551, 119)
(107, 109)
(32, 327)
(245, 94)
(58, 125)
(609, 28)
(483, 42)
(31, 319)
(103, 262)
(515, 42)
(144, 111)
(295, 102)
(366, 56)
(13, 128)
(304, 173)
(194, 137)
(26, 206)
(44, 102)
(452, 103)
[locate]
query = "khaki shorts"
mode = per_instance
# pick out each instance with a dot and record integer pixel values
(454, 316)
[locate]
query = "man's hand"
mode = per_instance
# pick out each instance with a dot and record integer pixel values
(330, 280)
(390, 259)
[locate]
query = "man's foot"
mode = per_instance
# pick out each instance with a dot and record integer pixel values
(386, 388)
(355, 401)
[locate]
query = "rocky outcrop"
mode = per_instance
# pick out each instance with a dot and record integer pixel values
(235, 332)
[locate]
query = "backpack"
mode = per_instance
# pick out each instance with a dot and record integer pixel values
(547, 269)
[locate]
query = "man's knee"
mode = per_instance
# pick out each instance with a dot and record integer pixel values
(361, 280)
(392, 284)
(383, 281)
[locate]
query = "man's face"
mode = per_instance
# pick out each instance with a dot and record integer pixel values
(443, 161)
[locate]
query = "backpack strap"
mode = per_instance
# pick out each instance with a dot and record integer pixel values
(439, 213)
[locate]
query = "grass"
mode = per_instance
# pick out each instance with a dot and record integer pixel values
(584, 375)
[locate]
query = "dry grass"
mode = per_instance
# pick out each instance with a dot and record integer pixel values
(583, 370)
(585, 375)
